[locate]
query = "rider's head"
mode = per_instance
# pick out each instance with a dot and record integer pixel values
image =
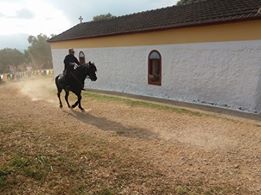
(71, 51)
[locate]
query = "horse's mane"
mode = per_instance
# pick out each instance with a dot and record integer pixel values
(92, 67)
(88, 65)
(82, 70)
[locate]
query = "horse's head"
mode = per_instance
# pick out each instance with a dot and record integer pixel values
(91, 71)
(86, 71)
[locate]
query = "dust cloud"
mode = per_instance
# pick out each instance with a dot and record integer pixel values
(198, 133)
(40, 89)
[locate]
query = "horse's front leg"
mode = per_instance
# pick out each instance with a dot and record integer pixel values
(78, 102)
(66, 98)
(75, 104)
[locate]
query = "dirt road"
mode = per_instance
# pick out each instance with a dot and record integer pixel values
(121, 146)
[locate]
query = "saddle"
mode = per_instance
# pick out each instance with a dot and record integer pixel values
(65, 76)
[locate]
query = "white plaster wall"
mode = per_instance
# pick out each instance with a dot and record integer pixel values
(226, 74)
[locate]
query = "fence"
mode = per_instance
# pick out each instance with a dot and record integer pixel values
(25, 75)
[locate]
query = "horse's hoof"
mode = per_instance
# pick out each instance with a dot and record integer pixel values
(61, 107)
(82, 109)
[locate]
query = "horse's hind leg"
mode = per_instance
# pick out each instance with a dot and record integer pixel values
(59, 97)
(66, 98)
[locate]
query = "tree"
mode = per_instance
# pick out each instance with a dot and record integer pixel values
(27, 58)
(185, 2)
(10, 57)
(103, 17)
(39, 51)
(38, 54)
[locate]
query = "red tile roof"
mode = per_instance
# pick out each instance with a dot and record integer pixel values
(202, 13)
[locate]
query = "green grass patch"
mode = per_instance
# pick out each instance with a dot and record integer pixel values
(19, 162)
(99, 96)
(139, 103)
(182, 190)
(3, 175)
(36, 168)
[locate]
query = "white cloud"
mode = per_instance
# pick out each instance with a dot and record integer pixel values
(90, 8)
(32, 17)
(24, 13)
(55, 16)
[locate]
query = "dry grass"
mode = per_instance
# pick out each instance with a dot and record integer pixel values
(120, 146)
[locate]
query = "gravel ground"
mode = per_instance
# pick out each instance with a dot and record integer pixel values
(121, 146)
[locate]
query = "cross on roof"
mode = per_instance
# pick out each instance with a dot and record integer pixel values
(80, 19)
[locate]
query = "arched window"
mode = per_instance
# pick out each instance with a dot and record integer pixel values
(81, 57)
(154, 68)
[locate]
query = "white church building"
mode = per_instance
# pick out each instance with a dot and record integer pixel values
(203, 53)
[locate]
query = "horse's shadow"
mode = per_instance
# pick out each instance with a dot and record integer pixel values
(109, 125)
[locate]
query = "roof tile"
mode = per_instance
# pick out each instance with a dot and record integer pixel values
(206, 12)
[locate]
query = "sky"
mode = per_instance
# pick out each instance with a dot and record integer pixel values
(21, 18)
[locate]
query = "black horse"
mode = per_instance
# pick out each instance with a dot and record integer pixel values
(75, 82)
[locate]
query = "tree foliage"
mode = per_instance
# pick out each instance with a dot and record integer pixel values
(103, 17)
(39, 51)
(37, 55)
(185, 2)
(10, 57)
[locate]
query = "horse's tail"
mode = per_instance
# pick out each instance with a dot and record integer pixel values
(57, 82)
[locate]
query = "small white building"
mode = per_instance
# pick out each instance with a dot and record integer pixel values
(203, 53)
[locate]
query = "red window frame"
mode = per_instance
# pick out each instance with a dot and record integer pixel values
(151, 81)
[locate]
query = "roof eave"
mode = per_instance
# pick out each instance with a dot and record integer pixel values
(199, 23)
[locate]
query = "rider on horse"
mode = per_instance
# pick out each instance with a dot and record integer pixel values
(70, 61)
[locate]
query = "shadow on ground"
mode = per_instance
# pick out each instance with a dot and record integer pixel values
(109, 125)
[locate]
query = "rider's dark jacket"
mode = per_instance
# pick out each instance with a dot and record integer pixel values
(67, 62)
(69, 67)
